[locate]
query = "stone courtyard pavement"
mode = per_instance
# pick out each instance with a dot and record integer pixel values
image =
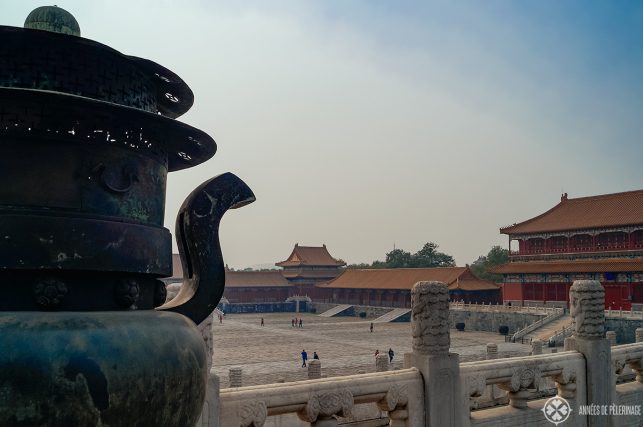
(345, 346)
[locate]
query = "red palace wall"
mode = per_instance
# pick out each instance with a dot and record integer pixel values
(512, 292)
(259, 294)
(616, 293)
(370, 297)
(383, 298)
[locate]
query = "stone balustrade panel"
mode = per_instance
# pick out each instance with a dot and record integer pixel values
(524, 379)
(318, 400)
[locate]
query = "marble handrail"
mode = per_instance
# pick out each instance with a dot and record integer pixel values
(521, 376)
(624, 314)
(398, 392)
(630, 355)
(537, 324)
(460, 305)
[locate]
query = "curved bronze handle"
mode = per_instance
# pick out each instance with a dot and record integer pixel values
(197, 233)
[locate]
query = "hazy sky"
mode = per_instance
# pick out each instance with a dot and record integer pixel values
(363, 124)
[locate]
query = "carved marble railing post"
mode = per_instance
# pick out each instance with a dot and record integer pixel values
(611, 337)
(395, 403)
(567, 386)
(236, 377)
(492, 392)
(536, 347)
(638, 335)
(314, 369)
(381, 363)
(440, 369)
(210, 413)
(587, 302)
(322, 407)
(492, 351)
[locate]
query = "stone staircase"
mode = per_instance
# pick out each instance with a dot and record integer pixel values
(548, 330)
(392, 315)
(335, 310)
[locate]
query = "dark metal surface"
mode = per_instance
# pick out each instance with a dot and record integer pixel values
(34, 115)
(87, 138)
(44, 242)
(197, 233)
(34, 59)
(118, 369)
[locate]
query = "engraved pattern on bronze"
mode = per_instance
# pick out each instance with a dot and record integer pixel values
(49, 292)
(160, 293)
(127, 292)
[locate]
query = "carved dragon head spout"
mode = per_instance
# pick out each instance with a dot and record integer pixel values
(197, 234)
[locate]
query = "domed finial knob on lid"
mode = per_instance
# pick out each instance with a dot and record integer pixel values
(54, 19)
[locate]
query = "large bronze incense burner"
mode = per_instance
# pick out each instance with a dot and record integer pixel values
(87, 137)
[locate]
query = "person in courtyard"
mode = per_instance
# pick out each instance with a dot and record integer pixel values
(371, 327)
(377, 352)
(292, 322)
(315, 355)
(304, 357)
(301, 323)
(262, 321)
(391, 353)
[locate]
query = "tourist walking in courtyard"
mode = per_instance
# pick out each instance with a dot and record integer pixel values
(315, 357)
(371, 327)
(304, 357)
(292, 322)
(391, 353)
(262, 321)
(301, 323)
(377, 352)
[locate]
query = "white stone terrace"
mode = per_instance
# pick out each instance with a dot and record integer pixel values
(435, 389)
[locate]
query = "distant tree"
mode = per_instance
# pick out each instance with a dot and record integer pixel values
(361, 265)
(247, 269)
(496, 256)
(429, 257)
(398, 258)
(426, 257)
(379, 264)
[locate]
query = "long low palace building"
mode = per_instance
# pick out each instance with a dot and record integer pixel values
(597, 237)
(392, 287)
(311, 271)
(256, 286)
